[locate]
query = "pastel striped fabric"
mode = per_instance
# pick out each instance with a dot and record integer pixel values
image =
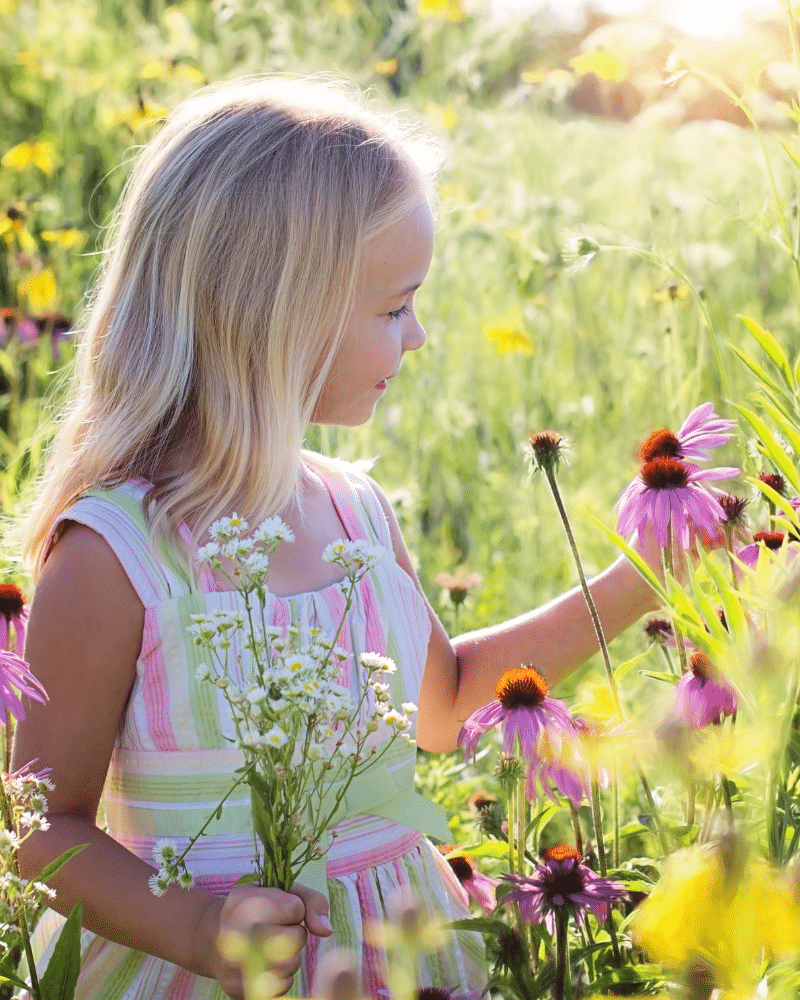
(173, 761)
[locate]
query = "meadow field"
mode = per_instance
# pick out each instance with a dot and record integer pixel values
(588, 278)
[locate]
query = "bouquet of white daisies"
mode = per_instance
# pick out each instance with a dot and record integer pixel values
(303, 735)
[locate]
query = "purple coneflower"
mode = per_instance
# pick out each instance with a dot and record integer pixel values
(660, 630)
(702, 696)
(772, 540)
(448, 993)
(479, 886)
(13, 612)
(558, 768)
(525, 710)
(562, 880)
(700, 431)
(666, 492)
(15, 673)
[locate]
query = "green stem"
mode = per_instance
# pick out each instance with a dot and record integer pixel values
(616, 818)
(551, 478)
(21, 918)
(562, 952)
(576, 826)
(522, 810)
(690, 803)
(598, 829)
(726, 793)
(669, 567)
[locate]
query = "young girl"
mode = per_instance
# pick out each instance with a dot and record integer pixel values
(261, 277)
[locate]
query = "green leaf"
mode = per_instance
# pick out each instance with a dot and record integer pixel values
(771, 447)
(770, 346)
(486, 849)
(625, 668)
(662, 676)
(50, 870)
(484, 925)
(639, 563)
(787, 428)
(247, 879)
(755, 368)
(7, 975)
(61, 975)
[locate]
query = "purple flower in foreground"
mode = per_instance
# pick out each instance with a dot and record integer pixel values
(562, 880)
(557, 769)
(702, 697)
(700, 431)
(15, 673)
(13, 613)
(479, 886)
(525, 710)
(668, 492)
(437, 993)
(773, 540)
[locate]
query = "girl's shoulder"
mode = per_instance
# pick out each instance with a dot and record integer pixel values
(118, 515)
(352, 487)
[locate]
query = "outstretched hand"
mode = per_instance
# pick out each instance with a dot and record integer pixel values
(278, 921)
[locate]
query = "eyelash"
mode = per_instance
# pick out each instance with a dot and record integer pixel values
(397, 313)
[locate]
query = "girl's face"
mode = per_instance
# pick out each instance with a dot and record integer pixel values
(382, 325)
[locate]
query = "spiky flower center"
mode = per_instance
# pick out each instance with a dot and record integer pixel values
(562, 852)
(733, 507)
(772, 539)
(661, 444)
(701, 667)
(562, 882)
(521, 687)
(659, 630)
(462, 868)
(774, 480)
(12, 600)
(545, 443)
(432, 993)
(664, 474)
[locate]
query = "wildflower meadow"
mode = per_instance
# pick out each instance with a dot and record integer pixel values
(612, 363)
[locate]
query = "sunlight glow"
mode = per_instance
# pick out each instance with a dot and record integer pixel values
(704, 18)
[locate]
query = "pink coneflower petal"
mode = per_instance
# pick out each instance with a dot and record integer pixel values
(15, 676)
(702, 696)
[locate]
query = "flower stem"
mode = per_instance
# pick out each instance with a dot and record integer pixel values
(562, 952)
(598, 829)
(21, 919)
(576, 826)
(522, 822)
(551, 478)
(669, 567)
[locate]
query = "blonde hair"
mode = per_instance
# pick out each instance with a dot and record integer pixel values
(236, 252)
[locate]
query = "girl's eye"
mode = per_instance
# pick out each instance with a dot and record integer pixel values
(397, 313)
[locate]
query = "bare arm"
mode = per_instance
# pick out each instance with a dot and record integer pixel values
(84, 639)
(460, 675)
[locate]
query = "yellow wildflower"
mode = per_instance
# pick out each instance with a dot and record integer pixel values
(345, 8)
(384, 67)
(671, 291)
(66, 238)
(509, 338)
(152, 69)
(40, 290)
(718, 905)
(603, 64)
(12, 226)
(452, 10)
(40, 154)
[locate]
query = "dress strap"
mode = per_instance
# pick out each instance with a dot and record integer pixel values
(117, 515)
(356, 501)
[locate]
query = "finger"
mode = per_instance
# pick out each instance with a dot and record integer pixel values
(254, 905)
(316, 907)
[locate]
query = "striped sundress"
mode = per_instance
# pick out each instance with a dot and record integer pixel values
(172, 762)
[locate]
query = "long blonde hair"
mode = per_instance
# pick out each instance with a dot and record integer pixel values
(235, 254)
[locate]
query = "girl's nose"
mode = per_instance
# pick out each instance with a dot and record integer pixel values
(413, 334)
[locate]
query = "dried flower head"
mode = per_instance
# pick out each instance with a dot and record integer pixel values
(734, 508)
(660, 630)
(458, 586)
(545, 450)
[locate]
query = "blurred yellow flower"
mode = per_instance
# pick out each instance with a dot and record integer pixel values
(442, 115)
(508, 338)
(385, 67)
(719, 905)
(345, 8)
(152, 69)
(533, 75)
(671, 291)
(40, 290)
(593, 698)
(452, 10)
(603, 64)
(12, 227)
(139, 116)
(40, 154)
(66, 238)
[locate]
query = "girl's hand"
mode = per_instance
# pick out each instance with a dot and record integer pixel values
(258, 915)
